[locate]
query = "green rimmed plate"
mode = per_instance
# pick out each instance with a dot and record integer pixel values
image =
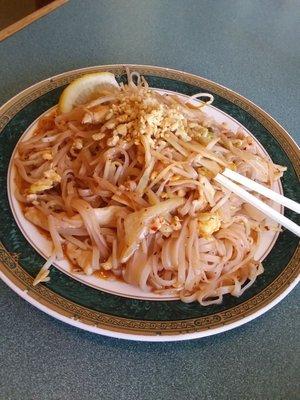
(111, 313)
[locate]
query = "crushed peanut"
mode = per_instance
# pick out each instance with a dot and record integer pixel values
(78, 144)
(176, 224)
(156, 224)
(121, 130)
(141, 113)
(98, 136)
(130, 185)
(112, 141)
(47, 155)
(165, 227)
(153, 175)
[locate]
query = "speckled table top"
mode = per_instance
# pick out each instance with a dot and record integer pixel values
(253, 47)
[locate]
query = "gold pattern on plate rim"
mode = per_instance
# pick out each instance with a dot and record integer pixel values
(18, 276)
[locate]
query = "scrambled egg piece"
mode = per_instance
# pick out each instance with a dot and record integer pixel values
(50, 179)
(208, 223)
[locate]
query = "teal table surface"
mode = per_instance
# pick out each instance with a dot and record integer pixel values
(250, 46)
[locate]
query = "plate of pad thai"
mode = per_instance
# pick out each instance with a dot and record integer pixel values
(115, 218)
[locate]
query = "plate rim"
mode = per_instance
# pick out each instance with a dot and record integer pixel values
(144, 338)
(22, 284)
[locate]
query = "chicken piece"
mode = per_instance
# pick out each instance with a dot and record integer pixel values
(30, 198)
(137, 224)
(164, 226)
(80, 257)
(95, 116)
(107, 216)
(36, 216)
(50, 179)
(208, 223)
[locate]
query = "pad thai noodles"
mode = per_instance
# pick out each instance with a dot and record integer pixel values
(124, 185)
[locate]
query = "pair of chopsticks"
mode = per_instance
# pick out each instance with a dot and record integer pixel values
(226, 179)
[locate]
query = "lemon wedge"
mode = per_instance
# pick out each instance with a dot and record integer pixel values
(86, 88)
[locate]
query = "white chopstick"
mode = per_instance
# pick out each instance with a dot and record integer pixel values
(278, 198)
(264, 208)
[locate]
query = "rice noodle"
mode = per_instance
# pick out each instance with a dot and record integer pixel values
(125, 183)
